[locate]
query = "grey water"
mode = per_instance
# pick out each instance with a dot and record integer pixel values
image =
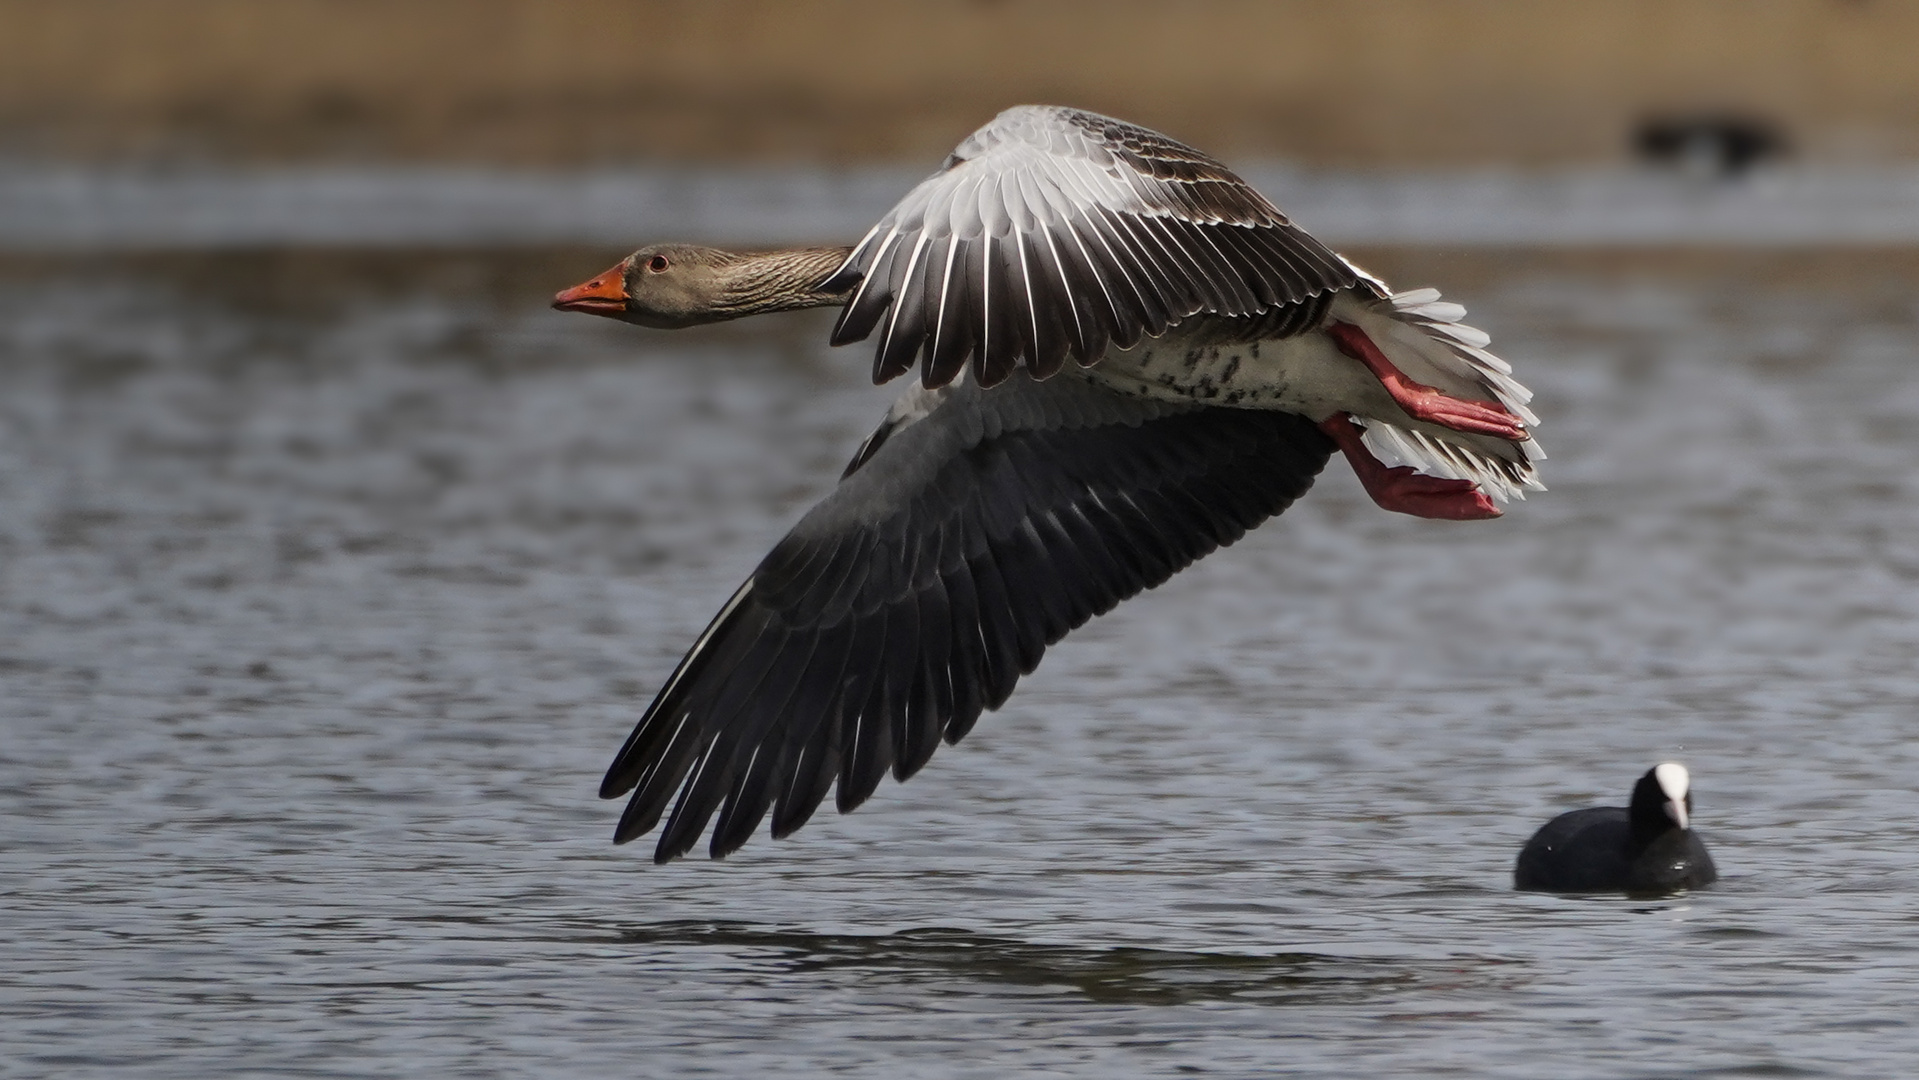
(330, 581)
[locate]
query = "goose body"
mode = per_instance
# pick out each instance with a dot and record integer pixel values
(1127, 358)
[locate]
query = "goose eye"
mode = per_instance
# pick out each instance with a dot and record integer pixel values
(656, 264)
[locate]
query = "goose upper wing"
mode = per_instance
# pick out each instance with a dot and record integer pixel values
(1050, 232)
(975, 528)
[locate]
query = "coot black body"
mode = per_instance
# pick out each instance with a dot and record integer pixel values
(1647, 847)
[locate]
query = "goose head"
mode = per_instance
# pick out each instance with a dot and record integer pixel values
(669, 286)
(666, 286)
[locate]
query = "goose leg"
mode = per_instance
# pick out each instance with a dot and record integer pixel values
(1423, 402)
(1404, 489)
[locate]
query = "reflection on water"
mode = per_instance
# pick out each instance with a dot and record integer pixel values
(329, 582)
(946, 960)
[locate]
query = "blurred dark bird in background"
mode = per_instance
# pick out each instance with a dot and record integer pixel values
(1718, 145)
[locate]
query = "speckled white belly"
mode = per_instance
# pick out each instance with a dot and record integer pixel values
(1306, 374)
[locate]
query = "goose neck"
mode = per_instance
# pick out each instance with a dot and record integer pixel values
(784, 280)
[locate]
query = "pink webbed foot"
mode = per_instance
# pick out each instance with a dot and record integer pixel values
(1404, 489)
(1423, 402)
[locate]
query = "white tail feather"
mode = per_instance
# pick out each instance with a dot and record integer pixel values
(1447, 351)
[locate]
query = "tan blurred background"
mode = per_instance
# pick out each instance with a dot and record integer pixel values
(566, 82)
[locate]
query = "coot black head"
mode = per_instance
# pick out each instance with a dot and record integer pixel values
(1661, 800)
(1647, 847)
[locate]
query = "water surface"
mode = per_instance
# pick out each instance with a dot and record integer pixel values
(329, 582)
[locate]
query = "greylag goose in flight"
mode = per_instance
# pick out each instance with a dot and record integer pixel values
(1219, 355)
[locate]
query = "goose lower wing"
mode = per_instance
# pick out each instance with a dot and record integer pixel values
(976, 528)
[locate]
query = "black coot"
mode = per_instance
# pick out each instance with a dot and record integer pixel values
(1648, 847)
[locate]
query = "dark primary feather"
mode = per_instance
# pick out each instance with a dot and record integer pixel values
(1051, 232)
(961, 543)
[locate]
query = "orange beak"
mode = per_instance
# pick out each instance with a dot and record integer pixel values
(604, 295)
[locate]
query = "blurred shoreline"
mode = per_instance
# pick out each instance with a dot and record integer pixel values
(568, 83)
